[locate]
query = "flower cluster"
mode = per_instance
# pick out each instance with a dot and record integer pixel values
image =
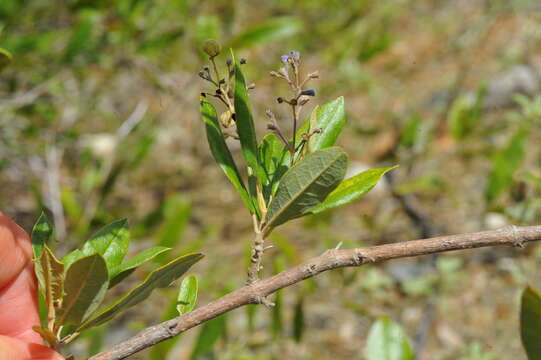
(290, 72)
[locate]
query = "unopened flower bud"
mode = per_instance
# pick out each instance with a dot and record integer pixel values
(211, 47)
(280, 100)
(295, 55)
(309, 92)
(314, 75)
(303, 100)
(201, 74)
(229, 61)
(270, 126)
(293, 102)
(284, 59)
(250, 86)
(242, 61)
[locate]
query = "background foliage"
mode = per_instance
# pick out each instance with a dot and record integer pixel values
(99, 121)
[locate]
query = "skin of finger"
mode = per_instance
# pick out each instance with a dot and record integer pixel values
(19, 308)
(15, 349)
(15, 250)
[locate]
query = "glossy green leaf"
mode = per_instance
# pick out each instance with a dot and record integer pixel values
(265, 32)
(5, 59)
(159, 278)
(210, 332)
(245, 125)
(85, 285)
(111, 242)
(331, 118)
(123, 270)
(51, 280)
(306, 185)
(187, 295)
(351, 189)
(387, 341)
(505, 163)
(220, 151)
(530, 323)
(273, 156)
(41, 234)
(72, 257)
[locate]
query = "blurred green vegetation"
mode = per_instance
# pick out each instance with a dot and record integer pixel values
(99, 121)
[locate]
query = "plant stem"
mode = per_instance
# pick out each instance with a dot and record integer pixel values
(255, 258)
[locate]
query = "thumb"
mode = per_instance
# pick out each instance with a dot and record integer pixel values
(15, 349)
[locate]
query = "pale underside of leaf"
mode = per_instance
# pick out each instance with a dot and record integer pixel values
(85, 285)
(52, 282)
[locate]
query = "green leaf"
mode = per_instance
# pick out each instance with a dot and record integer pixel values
(220, 151)
(120, 272)
(5, 59)
(268, 31)
(351, 189)
(187, 295)
(331, 118)
(211, 331)
(298, 320)
(72, 257)
(306, 185)
(41, 234)
(530, 323)
(85, 285)
(387, 341)
(111, 242)
(245, 125)
(51, 280)
(273, 155)
(505, 163)
(159, 278)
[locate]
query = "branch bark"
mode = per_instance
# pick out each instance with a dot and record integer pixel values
(331, 259)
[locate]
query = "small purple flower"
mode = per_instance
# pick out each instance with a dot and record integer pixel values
(295, 55)
(284, 59)
(309, 92)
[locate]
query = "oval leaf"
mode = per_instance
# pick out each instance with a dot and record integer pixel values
(351, 189)
(331, 118)
(221, 153)
(273, 155)
(84, 288)
(245, 125)
(187, 295)
(306, 185)
(530, 323)
(120, 272)
(387, 341)
(111, 242)
(159, 278)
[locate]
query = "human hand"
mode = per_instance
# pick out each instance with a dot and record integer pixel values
(18, 297)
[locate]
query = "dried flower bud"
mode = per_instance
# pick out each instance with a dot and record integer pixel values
(303, 100)
(206, 68)
(222, 81)
(314, 75)
(229, 61)
(250, 86)
(274, 74)
(295, 55)
(269, 113)
(201, 74)
(280, 100)
(218, 91)
(293, 102)
(226, 118)
(271, 126)
(230, 93)
(211, 47)
(203, 94)
(242, 61)
(309, 92)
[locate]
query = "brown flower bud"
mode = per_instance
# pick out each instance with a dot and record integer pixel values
(211, 47)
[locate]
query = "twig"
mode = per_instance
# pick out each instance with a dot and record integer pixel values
(331, 259)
